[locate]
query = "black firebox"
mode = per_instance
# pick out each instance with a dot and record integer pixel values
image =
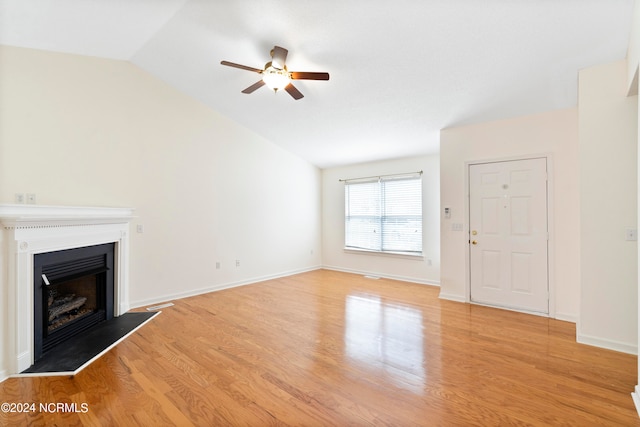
(73, 292)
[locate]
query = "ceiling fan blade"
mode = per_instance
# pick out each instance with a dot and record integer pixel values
(304, 75)
(256, 85)
(242, 67)
(295, 93)
(279, 55)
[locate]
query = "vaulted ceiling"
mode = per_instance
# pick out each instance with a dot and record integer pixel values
(400, 71)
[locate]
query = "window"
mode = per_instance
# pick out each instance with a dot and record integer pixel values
(384, 214)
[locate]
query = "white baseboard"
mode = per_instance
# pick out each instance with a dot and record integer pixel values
(608, 344)
(3, 375)
(566, 317)
(383, 275)
(636, 398)
(218, 287)
(558, 316)
(229, 285)
(452, 297)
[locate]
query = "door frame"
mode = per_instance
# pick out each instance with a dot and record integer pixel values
(550, 227)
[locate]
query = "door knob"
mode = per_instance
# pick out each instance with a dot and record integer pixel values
(474, 242)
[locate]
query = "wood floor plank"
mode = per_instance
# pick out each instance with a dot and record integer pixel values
(330, 348)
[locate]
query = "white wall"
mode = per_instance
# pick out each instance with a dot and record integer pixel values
(415, 270)
(633, 75)
(608, 202)
(553, 133)
(85, 131)
(636, 393)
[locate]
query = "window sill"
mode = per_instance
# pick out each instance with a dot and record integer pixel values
(404, 255)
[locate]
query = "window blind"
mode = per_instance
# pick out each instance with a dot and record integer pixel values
(384, 214)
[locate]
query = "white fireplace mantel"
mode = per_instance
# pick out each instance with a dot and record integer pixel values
(27, 230)
(39, 215)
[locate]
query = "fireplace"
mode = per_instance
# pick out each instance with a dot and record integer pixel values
(28, 232)
(73, 292)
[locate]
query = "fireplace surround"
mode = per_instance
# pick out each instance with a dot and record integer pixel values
(31, 230)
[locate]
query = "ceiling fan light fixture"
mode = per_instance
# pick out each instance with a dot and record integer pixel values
(275, 78)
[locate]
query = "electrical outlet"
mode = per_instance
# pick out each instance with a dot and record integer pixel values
(19, 197)
(237, 263)
(140, 228)
(31, 198)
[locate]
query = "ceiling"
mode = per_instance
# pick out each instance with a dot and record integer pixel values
(400, 71)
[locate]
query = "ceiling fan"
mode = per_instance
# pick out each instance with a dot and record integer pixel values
(276, 76)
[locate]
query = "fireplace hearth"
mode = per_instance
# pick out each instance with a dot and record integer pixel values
(73, 292)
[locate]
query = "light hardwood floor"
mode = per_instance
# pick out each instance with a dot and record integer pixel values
(327, 348)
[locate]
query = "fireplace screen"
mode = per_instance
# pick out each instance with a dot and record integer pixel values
(73, 292)
(70, 301)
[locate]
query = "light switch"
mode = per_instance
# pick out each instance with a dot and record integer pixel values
(631, 234)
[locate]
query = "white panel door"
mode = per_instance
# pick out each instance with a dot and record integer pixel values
(508, 234)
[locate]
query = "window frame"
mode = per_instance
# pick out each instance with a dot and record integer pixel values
(382, 208)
